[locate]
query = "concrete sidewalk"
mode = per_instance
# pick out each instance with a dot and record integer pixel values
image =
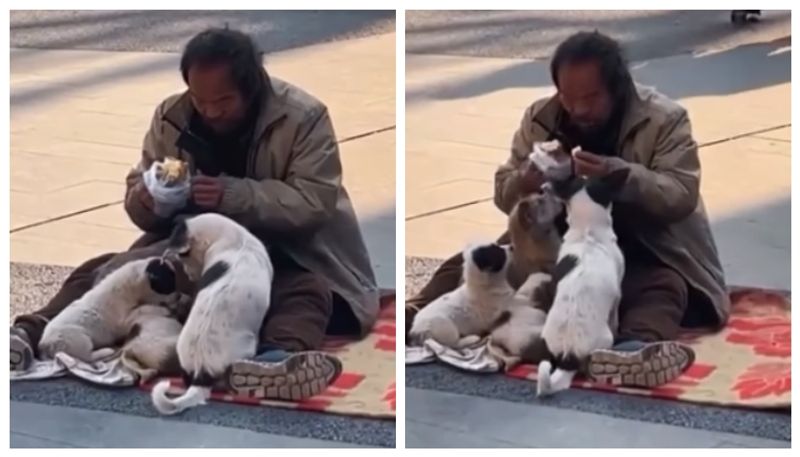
(47, 426)
(462, 112)
(78, 119)
(430, 424)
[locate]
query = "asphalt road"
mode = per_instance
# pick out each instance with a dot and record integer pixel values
(168, 31)
(534, 34)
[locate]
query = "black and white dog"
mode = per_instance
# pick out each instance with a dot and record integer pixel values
(583, 317)
(90, 327)
(233, 295)
(460, 317)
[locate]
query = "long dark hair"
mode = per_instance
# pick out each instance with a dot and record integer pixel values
(216, 45)
(586, 46)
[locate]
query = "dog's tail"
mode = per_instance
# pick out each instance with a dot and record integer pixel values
(194, 396)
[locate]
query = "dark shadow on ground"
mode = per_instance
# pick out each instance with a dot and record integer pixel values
(728, 72)
(535, 34)
(755, 244)
(27, 97)
(168, 31)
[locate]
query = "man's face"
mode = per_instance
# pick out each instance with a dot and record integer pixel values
(215, 97)
(584, 96)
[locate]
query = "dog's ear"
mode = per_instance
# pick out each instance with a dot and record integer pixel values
(490, 258)
(603, 190)
(179, 239)
(161, 277)
(524, 214)
(565, 189)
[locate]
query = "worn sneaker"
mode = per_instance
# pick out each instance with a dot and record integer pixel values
(650, 365)
(299, 376)
(21, 355)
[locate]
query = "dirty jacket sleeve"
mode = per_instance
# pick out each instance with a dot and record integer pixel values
(667, 190)
(508, 186)
(306, 198)
(153, 148)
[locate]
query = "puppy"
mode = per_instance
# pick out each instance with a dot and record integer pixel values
(91, 325)
(152, 339)
(533, 233)
(455, 318)
(520, 325)
(583, 317)
(235, 280)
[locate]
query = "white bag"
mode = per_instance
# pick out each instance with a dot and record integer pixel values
(168, 199)
(553, 168)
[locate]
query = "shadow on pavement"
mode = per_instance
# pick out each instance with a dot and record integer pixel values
(727, 72)
(24, 97)
(535, 34)
(168, 31)
(755, 244)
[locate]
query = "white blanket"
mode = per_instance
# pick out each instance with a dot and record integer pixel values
(108, 372)
(481, 357)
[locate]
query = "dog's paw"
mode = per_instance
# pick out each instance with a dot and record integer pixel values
(543, 387)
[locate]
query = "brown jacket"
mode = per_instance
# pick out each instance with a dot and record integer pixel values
(292, 195)
(661, 196)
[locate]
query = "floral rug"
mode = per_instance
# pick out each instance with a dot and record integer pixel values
(747, 364)
(366, 387)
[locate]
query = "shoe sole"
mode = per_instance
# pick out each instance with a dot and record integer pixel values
(655, 365)
(21, 354)
(300, 376)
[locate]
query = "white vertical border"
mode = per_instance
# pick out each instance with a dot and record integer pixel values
(400, 230)
(795, 175)
(5, 216)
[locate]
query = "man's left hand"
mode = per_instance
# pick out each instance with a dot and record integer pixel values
(207, 192)
(590, 165)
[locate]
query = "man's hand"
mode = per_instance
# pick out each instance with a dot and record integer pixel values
(590, 165)
(144, 197)
(207, 192)
(532, 179)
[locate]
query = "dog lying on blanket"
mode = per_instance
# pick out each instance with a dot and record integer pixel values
(459, 318)
(150, 349)
(235, 280)
(91, 327)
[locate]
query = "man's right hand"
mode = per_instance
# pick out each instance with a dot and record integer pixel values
(532, 179)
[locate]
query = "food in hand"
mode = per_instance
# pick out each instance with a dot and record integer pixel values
(172, 171)
(551, 159)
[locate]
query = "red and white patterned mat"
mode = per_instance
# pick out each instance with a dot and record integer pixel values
(366, 387)
(747, 364)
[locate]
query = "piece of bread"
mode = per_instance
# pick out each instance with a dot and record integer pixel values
(172, 170)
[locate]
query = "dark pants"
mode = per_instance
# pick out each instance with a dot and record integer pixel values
(654, 299)
(302, 311)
